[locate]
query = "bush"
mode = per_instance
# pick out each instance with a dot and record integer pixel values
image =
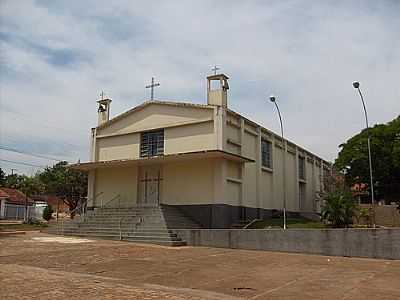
(47, 212)
(339, 208)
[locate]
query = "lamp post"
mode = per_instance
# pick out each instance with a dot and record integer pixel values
(356, 85)
(273, 100)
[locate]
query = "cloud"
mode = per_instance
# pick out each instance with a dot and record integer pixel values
(57, 56)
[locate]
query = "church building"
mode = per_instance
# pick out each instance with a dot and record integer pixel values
(215, 165)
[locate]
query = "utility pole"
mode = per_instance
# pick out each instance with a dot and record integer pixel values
(12, 171)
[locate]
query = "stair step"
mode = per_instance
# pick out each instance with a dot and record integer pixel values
(147, 225)
(150, 240)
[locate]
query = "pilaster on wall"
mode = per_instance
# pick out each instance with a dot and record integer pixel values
(220, 127)
(220, 174)
(259, 171)
(91, 188)
(298, 179)
(314, 185)
(241, 196)
(92, 153)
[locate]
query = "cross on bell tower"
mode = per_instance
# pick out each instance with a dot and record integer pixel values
(215, 69)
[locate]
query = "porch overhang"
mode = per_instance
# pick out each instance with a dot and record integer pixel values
(206, 154)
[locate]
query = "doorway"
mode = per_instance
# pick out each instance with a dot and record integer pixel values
(150, 179)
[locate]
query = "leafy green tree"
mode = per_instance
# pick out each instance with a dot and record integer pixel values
(70, 185)
(2, 177)
(30, 186)
(13, 181)
(353, 162)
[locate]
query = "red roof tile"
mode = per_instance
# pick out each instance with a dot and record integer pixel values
(3, 194)
(15, 196)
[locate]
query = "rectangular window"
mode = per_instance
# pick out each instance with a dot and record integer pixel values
(302, 194)
(152, 143)
(302, 168)
(266, 154)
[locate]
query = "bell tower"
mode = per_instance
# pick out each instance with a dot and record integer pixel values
(217, 90)
(103, 111)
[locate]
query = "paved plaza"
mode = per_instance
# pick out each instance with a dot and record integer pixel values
(40, 266)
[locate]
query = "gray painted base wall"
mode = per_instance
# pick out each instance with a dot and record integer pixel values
(222, 215)
(371, 243)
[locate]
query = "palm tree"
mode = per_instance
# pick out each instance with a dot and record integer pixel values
(339, 208)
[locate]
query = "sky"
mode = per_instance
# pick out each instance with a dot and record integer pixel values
(57, 56)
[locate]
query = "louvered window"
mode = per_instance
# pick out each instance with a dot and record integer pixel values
(266, 153)
(152, 143)
(302, 168)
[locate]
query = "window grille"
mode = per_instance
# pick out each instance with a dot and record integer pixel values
(266, 154)
(152, 143)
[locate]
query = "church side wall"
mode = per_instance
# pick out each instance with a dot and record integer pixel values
(261, 187)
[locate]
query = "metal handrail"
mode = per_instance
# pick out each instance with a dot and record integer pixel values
(111, 200)
(83, 212)
(120, 224)
(251, 223)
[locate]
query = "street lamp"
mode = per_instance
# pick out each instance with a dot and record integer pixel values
(273, 99)
(356, 85)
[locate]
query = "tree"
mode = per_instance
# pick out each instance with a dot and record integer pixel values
(353, 162)
(70, 185)
(13, 181)
(47, 212)
(29, 186)
(2, 177)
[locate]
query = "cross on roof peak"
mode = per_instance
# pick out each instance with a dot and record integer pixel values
(151, 87)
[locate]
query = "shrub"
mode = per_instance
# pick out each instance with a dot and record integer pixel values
(47, 212)
(339, 208)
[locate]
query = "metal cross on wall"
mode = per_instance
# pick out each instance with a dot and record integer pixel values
(215, 69)
(151, 87)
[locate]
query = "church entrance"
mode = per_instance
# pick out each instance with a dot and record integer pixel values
(149, 186)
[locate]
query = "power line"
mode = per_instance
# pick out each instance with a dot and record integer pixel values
(22, 163)
(22, 116)
(27, 153)
(74, 146)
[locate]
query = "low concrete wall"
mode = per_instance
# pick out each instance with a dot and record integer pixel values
(372, 243)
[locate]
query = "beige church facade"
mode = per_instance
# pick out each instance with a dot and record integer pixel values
(216, 165)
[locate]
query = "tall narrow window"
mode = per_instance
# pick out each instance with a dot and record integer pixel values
(152, 143)
(302, 168)
(302, 194)
(266, 154)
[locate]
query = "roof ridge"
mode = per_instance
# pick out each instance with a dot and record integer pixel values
(149, 102)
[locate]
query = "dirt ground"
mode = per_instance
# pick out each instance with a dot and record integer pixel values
(40, 266)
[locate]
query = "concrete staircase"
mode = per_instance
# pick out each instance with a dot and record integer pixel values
(139, 224)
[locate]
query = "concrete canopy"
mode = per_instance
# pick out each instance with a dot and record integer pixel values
(161, 159)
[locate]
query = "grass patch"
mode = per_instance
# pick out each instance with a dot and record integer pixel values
(21, 227)
(298, 222)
